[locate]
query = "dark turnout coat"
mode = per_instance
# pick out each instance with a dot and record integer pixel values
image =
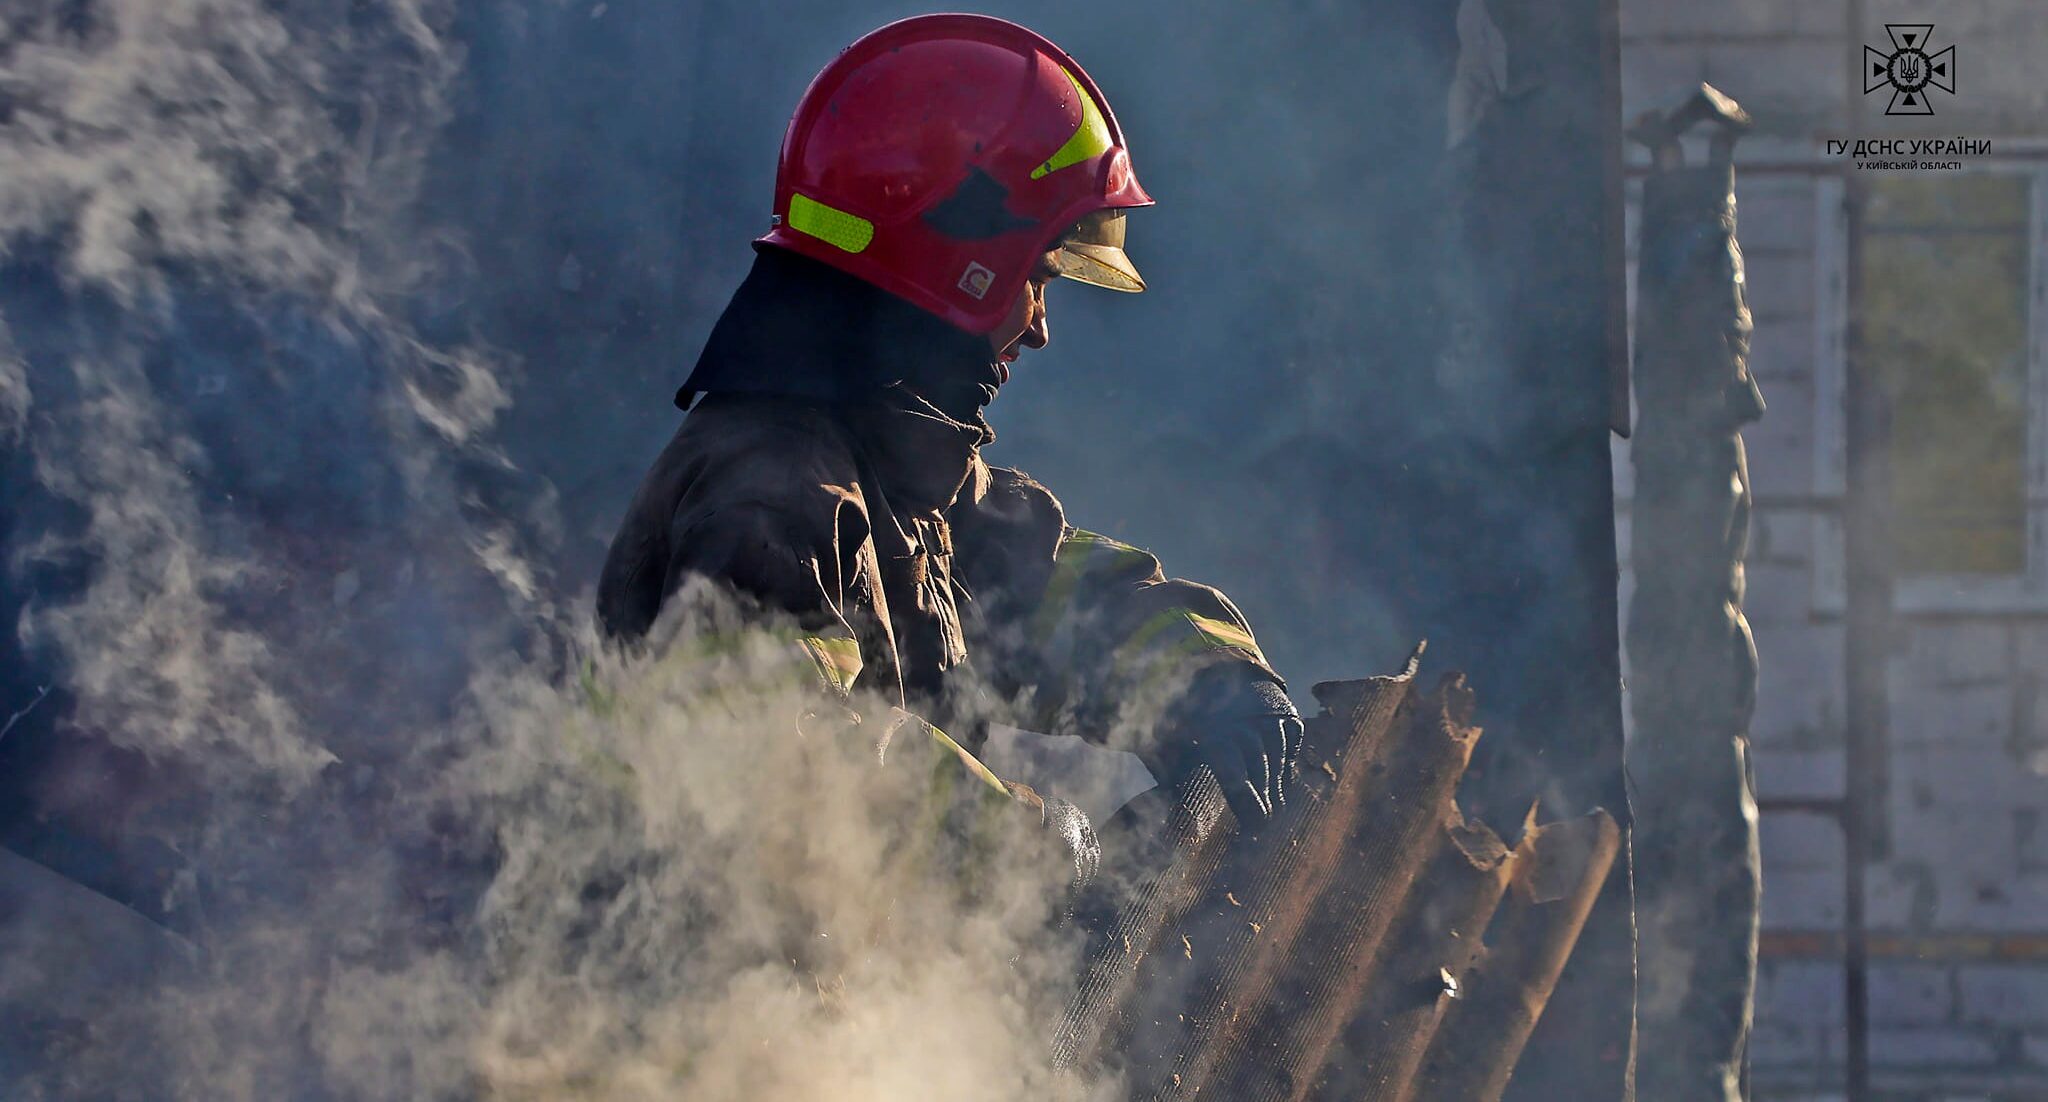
(869, 516)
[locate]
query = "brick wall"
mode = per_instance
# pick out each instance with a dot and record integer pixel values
(1959, 896)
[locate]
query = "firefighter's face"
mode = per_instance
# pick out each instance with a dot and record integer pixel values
(1025, 327)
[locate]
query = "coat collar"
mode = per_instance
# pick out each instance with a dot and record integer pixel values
(801, 330)
(921, 456)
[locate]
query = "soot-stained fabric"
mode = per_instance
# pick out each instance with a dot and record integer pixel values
(816, 477)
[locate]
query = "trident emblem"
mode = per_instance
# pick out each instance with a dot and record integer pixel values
(1909, 69)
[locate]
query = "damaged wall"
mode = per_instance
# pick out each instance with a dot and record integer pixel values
(1958, 987)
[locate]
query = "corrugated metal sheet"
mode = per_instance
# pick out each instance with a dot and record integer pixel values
(1342, 948)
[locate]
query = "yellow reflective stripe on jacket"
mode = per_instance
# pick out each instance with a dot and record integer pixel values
(600, 702)
(944, 742)
(1179, 633)
(837, 658)
(834, 659)
(1223, 633)
(965, 820)
(1080, 552)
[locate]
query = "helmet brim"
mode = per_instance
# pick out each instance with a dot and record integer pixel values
(1093, 253)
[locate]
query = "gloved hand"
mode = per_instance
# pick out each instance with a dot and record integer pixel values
(1077, 838)
(1243, 730)
(1070, 829)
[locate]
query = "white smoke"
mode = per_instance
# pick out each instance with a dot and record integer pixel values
(435, 841)
(267, 140)
(687, 899)
(15, 399)
(153, 661)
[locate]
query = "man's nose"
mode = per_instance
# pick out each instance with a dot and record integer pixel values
(1039, 332)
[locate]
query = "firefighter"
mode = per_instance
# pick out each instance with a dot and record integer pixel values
(936, 177)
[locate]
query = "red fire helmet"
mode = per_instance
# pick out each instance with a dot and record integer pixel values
(939, 157)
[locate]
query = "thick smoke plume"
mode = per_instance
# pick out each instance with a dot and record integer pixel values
(676, 897)
(411, 831)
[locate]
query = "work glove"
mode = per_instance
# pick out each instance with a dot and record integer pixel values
(1239, 725)
(1058, 822)
(1071, 832)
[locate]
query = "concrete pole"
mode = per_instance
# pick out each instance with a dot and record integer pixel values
(1693, 666)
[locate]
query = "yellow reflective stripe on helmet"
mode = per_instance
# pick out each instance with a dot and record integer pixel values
(1080, 552)
(1090, 139)
(838, 660)
(829, 224)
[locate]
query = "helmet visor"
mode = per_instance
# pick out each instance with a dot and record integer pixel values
(1093, 252)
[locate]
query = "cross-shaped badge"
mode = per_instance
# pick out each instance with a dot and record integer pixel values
(1909, 69)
